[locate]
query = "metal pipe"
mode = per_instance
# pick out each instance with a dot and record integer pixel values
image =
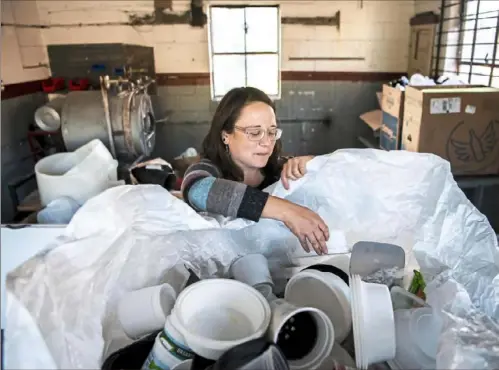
(105, 102)
(474, 40)
(494, 53)
(439, 43)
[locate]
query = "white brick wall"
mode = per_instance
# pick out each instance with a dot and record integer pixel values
(378, 32)
(22, 49)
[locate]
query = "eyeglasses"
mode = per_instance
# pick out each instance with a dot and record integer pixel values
(257, 134)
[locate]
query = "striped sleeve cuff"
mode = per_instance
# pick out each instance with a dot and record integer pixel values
(252, 204)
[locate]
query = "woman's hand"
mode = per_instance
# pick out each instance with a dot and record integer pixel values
(307, 225)
(294, 168)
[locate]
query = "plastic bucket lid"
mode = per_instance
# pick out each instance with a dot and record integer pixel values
(326, 292)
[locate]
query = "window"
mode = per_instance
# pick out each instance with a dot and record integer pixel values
(244, 48)
(479, 52)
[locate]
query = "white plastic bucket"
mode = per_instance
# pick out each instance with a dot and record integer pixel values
(305, 335)
(215, 315)
(161, 358)
(326, 292)
(80, 175)
(143, 311)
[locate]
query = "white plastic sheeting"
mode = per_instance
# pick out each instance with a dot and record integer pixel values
(128, 237)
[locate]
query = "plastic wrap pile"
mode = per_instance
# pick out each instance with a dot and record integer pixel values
(130, 236)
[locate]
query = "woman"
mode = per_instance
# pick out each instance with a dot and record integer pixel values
(240, 158)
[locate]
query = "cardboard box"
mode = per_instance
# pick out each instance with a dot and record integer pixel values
(392, 106)
(457, 123)
(373, 118)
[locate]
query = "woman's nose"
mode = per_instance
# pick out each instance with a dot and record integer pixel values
(265, 141)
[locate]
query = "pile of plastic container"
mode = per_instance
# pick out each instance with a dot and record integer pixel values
(327, 316)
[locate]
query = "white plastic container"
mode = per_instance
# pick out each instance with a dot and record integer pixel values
(417, 333)
(215, 315)
(143, 311)
(251, 269)
(374, 327)
(80, 175)
(162, 356)
(326, 292)
(294, 328)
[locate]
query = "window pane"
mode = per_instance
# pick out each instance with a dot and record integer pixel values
(495, 82)
(228, 72)
(464, 72)
(263, 72)
(479, 80)
(262, 29)
(471, 8)
(227, 30)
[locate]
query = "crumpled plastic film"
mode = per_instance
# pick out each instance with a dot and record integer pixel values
(128, 237)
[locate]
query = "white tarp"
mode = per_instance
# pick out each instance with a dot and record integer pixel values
(128, 237)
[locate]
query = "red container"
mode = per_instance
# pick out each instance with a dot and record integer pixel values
(53, 84)
(79, 84)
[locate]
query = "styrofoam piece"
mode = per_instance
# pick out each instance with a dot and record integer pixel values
(252, 269)
(80, 175)
(215, 315)
(326, 292)
(374, 331)
(143, 311)
(160, 357)
(287, 327)
(369, 257)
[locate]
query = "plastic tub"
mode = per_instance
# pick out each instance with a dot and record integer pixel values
(326, 292)
(305, 335)
(161, 358)
(79, 175)
(417, 333)
(215, 315)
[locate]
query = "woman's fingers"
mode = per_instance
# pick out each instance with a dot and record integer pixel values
(323, 227)
(302, 167)
(304, 244)
(314, 244)
(284, 179)
(319, 235)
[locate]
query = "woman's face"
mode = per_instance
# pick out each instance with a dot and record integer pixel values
(248, 148)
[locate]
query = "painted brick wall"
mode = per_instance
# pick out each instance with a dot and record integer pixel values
(23, 50)
(378, 31)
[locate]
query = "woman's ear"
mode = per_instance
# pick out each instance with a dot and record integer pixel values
(225, 138)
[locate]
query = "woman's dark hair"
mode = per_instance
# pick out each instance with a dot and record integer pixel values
(224, 119)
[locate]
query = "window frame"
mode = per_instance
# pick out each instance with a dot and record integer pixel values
(211, 52)
(470, 62)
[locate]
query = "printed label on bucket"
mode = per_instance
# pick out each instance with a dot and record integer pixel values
(176, 349)
(154, 363)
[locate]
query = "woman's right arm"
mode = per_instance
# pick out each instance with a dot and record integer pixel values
(204, 190)
(307, 225)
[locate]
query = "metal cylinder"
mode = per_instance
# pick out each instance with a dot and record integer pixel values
(132, 121)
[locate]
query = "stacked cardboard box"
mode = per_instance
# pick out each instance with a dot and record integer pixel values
(457, 123)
